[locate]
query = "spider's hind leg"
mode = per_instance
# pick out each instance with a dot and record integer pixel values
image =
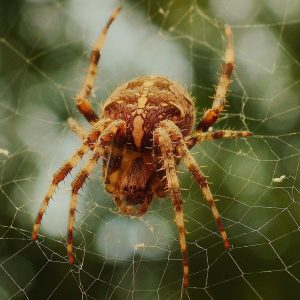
(77, 128)
(219, 102)
(82, 102)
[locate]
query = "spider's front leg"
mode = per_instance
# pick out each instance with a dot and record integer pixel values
(66, 168)
(163, 142)
(191, 164)
(115, 130)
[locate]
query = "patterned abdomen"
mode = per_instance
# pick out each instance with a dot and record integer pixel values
(145, 101)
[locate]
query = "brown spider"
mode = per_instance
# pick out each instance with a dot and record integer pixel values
(144, 130)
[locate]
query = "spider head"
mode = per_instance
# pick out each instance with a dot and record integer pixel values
(133, 180)
(134, 193)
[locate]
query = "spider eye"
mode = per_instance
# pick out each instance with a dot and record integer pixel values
(133, 189)
(137, 198)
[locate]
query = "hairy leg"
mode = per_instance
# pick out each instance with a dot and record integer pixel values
(82, 102)
(77, 128)
(163, 142)
(219, 102)
(198, 137)
(66, 168)
(115, 129)
(192, 165)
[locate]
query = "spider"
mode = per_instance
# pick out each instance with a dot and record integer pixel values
(142, 133)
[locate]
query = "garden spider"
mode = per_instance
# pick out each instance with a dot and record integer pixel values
(143, 132)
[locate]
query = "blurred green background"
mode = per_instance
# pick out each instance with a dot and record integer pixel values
(44, 47)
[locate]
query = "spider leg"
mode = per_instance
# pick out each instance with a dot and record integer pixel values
(82, 102)
(219, 102)
(77, 128)
(199, 176)
(198, 137)
(163, 142)
(115, 128)
(66, 168)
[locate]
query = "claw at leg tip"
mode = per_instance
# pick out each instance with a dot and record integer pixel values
(226, 245)
(71, 259)
(228, 30)
(34, 236)
(185, 283)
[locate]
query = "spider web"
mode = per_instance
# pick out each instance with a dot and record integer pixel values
(44, 48)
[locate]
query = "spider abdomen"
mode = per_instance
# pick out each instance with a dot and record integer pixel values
(145, 101)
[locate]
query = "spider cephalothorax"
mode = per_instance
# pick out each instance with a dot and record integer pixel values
(143, 132)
